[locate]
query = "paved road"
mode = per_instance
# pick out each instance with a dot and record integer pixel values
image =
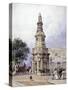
(17, 84)
(57, 81)
(24, 81)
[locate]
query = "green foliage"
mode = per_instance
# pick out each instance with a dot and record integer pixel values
(19, 50)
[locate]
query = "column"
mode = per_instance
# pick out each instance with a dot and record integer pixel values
(37, 67)
(41, 63)
(33, 65)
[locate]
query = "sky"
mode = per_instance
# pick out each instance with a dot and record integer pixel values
(24, 24)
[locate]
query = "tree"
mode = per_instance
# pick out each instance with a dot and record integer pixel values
(19, 50)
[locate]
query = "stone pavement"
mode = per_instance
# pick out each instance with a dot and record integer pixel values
(24, 80)
(61, 81)
(57, 81)
(17, 84)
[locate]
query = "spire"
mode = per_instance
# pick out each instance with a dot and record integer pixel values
(39, 23)
(39, 18)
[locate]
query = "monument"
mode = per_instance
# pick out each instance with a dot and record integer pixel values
(40, 55)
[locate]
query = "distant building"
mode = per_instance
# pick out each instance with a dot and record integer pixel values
(57, 58)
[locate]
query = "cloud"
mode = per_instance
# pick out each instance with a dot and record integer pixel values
(24, 24)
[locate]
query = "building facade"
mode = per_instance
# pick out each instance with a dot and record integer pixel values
(57, 58)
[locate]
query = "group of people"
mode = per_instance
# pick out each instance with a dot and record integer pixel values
(58, 74)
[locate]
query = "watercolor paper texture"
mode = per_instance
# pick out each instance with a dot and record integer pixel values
(37, 44)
